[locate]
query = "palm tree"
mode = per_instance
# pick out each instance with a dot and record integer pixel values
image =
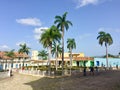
(24, 50)
(43, 54)
(71, 45)
(47, 38)
(62, 24)
(56, 50)
(11, 55)
(105, 38)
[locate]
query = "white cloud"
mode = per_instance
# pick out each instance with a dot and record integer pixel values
(4, 48)
(82, 3)
(85, 36)
(22, 42)
(29, 21)
(38, 32)
(109, 30)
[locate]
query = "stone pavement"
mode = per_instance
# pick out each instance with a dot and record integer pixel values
(17, 82)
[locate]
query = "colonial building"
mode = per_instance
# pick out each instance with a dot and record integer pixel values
(78, 59)
(20, 60)
(17, 61)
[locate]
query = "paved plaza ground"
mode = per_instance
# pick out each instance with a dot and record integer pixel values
(104, 80)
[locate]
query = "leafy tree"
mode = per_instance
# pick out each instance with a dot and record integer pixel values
(43, 54)
(47, 38)
(62, 24)
(56, 50)
(110, 55)
(24, 50)
(105, 38)
(71, 45)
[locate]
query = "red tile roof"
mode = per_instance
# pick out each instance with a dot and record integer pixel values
(17, 55)
(78, 58)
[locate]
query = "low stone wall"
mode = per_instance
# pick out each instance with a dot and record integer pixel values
(4, 74)
(41, 73)
(33, 72)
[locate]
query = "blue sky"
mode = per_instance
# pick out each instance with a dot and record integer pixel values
(22, 21)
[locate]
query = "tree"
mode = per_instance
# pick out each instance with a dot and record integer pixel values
(56, 50)
(43, 54)
(105, 38)
(110, 55)
(24, 50)
(62, 24)
(47, 38)
(71, 45)
(11, 55)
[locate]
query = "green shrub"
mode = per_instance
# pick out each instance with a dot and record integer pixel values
(58, 72)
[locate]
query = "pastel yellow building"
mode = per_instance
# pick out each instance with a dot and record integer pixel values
(35, 55)
(74, 54)
(78, 59)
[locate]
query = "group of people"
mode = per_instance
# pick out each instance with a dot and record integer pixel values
(91, 70)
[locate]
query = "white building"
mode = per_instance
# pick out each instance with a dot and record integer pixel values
(17, 62)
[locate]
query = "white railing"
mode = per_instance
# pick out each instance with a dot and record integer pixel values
(33, 72)
(40, 73)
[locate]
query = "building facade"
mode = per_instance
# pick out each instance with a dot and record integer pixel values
(35, 55)
(18, 61)
(78, 59)
(112, 62)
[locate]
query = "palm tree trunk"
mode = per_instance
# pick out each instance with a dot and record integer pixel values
(6, 65)
(22, 65)
(56, 58)
(106, 56)
(70, 60)
(11, 63)
(62, 50)
(23, 62)
(49, 57)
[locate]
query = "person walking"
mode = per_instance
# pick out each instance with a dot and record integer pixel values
(91, 70)
(84, 71)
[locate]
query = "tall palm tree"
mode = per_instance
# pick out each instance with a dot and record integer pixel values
(24, 50)
(47, 38)
(105, 38)
(43, 54)
(62, 24)
(71, 45)
(56, 50)
(11, 55)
